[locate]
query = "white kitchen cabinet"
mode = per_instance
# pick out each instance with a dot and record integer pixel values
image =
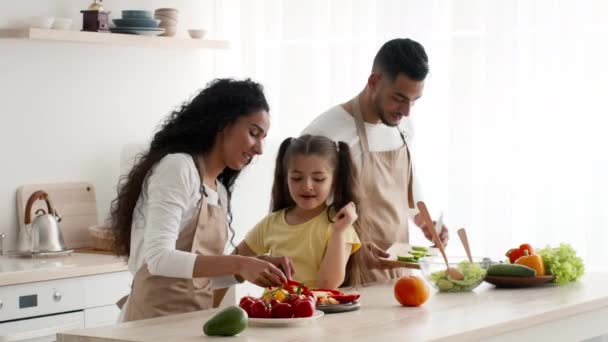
(105, 289)
(40, 329)
(103, 315)
(36, 311)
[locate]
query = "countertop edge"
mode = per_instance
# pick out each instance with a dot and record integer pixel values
(32, 276)
(526, 322)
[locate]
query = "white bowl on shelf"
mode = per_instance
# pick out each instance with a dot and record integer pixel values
(40, 22)
(62, 24)
(197, 34)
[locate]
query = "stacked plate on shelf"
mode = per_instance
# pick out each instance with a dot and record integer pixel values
(137, 22)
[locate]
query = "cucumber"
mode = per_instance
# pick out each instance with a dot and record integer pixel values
(419, 248)
(444, 285)
(407, 258)
(511, 270)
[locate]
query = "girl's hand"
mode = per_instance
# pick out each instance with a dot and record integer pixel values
(345, 217)
(261, 273)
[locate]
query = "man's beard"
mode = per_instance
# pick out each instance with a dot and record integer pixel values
(383, 118)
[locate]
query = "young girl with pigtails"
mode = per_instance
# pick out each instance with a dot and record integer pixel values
(314, 209)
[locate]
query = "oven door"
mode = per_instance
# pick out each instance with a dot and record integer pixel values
(40, 329)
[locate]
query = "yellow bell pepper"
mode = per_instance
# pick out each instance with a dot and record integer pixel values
(534, 261)
(278, 294)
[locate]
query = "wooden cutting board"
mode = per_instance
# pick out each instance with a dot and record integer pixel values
(75, 203)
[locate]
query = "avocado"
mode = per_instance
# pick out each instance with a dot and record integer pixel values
(228, 322)
(511, 270)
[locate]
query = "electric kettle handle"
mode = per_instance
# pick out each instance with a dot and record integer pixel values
(30, 202)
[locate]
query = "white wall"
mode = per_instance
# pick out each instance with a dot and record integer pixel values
(68, 109)
(509, 132)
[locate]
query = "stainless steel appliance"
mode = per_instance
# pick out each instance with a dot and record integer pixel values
(41, 234)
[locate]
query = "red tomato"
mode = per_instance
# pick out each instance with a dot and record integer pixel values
(273, 302)
(247, 305)
(245, 298)
(304, 308)
(292, 298)
(311, 296)
(282, 310)
(260, 310)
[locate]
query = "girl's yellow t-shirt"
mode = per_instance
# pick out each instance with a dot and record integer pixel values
(304, 243)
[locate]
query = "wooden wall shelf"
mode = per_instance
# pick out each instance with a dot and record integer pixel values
(111, 39)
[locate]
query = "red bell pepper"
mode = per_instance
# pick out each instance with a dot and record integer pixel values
(337, 295)
(515, 253)
(295, 287)
(260, 310)
(346, 298)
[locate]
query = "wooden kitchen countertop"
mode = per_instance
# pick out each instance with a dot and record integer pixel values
(563, 313)
(23, 270)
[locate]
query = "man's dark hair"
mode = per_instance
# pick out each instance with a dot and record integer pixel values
(402, 55)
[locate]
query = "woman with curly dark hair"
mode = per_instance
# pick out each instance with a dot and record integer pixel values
(172, 214)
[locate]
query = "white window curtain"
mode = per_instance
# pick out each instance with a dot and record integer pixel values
(511, 136)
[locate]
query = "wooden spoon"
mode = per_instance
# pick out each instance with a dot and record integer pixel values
(462, 234)
(450, 271)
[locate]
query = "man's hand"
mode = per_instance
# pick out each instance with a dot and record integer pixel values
(443, 235)
(372, 255)
(283, 263)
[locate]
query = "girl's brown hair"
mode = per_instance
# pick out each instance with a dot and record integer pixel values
(345, 184)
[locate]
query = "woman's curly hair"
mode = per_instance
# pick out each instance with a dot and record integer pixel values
(191, 129)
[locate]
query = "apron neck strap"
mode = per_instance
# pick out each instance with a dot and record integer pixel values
(360, 124)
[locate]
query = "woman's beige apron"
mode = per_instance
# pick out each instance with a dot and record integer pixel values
(386, 181)
(153, 296)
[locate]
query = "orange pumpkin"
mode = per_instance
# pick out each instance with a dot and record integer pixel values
(411, 291)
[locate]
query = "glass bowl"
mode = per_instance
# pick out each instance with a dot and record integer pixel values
(433, 271)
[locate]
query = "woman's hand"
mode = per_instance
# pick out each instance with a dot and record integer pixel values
(345, 217)
(283, 263)
(260, 272)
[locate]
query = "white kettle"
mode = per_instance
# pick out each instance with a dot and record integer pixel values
(42, 234)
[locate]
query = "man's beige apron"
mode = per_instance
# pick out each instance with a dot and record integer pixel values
(386, 181)
(153, 296)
